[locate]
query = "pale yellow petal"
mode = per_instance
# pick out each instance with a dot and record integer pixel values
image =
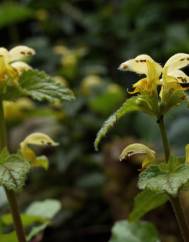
(141, 85)
(19, 52)
(27, 153)
(38, 139)
(41, 161)
(180, 76)
(4, 59)
(2, 68)
(20, 66)
(15, 110)
(140, 66)
(140, 151)
(177, 61)
(4, 53)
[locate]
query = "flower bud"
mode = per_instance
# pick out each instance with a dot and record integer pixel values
(139, 152)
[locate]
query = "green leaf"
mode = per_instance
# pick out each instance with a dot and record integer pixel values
(13, 172)
(38, 212)
(123, 231)
(146, 201)
(39, 86)
(11, 13)
(36, 230)
(129, 105)
(45, 209)
(164, 178)
(11, 237)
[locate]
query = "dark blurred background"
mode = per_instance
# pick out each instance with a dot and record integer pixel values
(81, 43)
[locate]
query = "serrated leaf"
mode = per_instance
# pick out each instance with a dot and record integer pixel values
(129, 105)
(39, 86)
(146, 201)
(13, 172)
(123, 231)
(165, 179)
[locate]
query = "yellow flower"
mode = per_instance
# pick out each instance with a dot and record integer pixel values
(139, 152)
(11, 64)
(89, 83)
(172, 76)
(143, 64)
(28, 153)
(15, 110)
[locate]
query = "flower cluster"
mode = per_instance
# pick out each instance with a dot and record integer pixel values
(168, 77)
(12, 64)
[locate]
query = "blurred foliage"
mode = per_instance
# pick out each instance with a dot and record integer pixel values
(82, 43)
(134, 232)
(35, 219)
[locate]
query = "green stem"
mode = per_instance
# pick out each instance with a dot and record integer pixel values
(164, 138)
(175, 201)
(11, 196)
(181, 219)
(16, 215)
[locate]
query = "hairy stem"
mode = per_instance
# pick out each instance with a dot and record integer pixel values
(175, 201)
(11, 196)
(181, 219)
(164, 138)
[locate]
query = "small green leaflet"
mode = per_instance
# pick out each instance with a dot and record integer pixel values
(123, 231)
(13, 172)
(39, 86)
(146, 201)
(129, 105)
(159, 179)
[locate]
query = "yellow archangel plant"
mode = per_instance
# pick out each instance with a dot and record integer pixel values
(161, 88)
(19, 83)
